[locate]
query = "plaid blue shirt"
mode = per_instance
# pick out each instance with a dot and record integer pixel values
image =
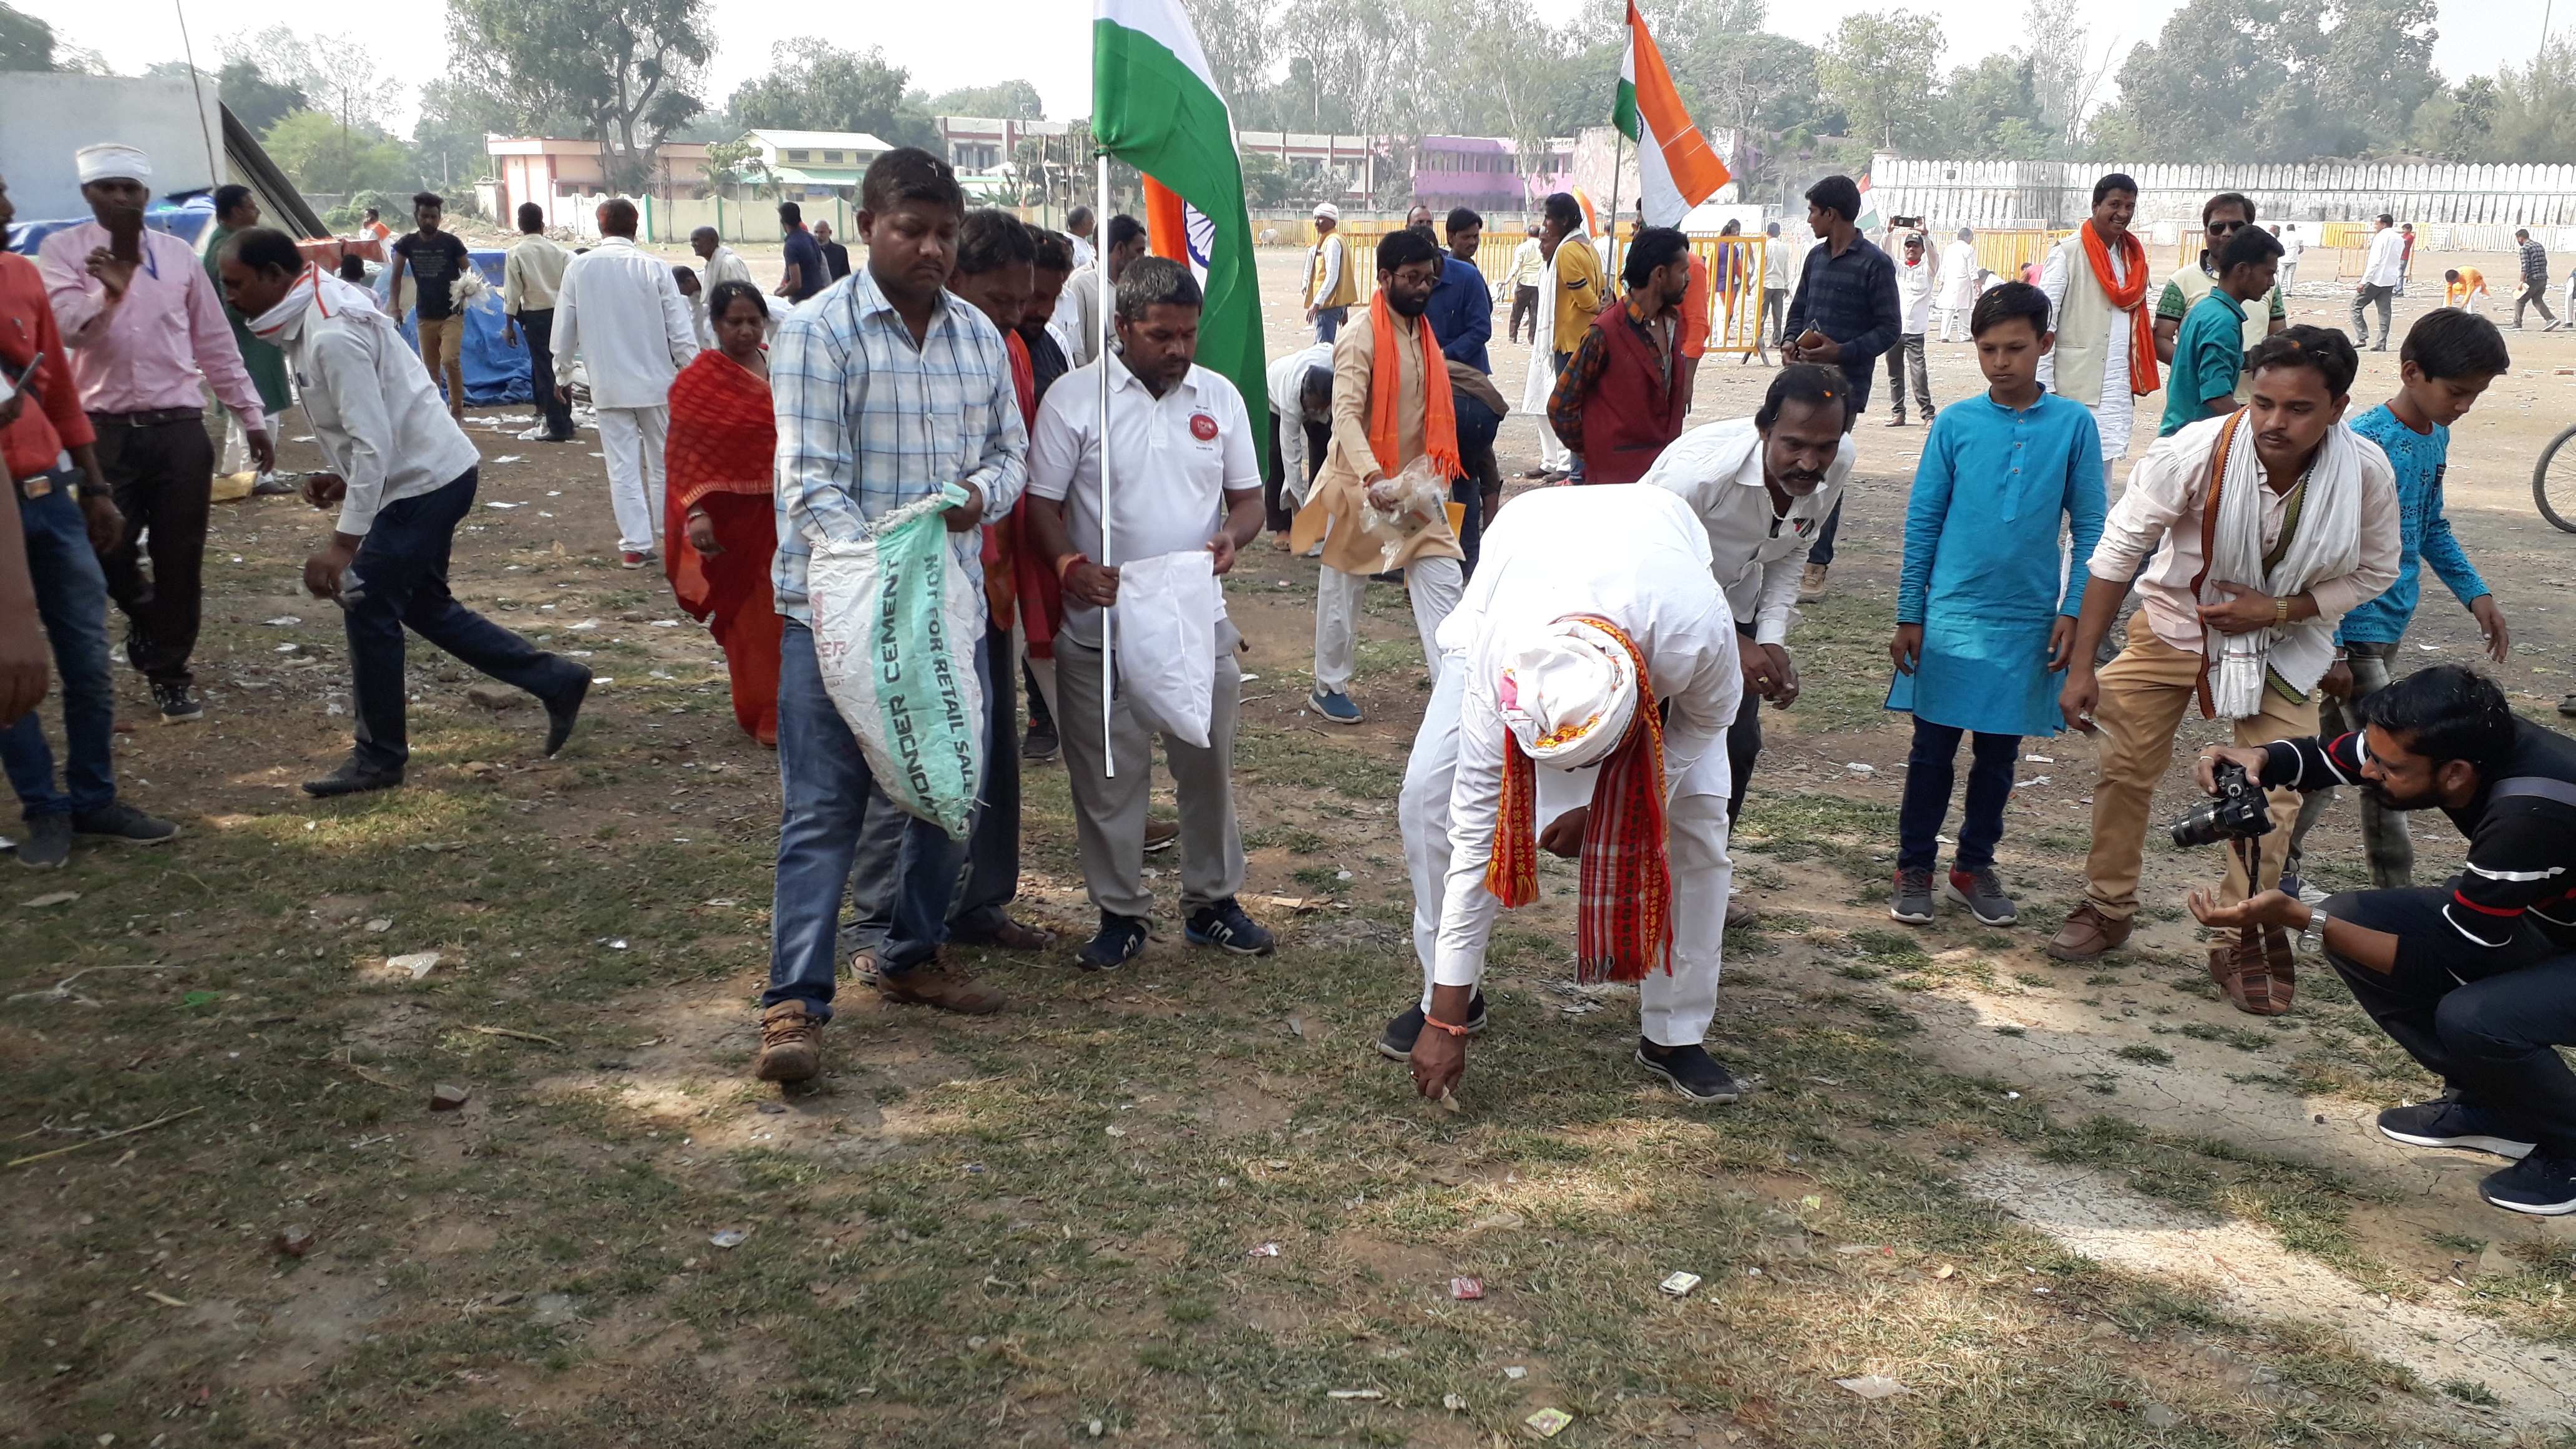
(1851, 299)
(868, 422)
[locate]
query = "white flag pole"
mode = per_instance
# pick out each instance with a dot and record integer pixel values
(1108, 622)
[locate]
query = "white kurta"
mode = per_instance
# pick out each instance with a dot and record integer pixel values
(1637, 556)
(2118, 409)
(1541, 381)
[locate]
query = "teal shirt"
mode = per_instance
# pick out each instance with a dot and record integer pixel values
(2208, 355)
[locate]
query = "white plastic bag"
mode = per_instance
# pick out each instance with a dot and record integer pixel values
(1421, 499)
(1167, 610)
(896, 626)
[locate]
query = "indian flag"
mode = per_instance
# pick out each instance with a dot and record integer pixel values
(1155, 107)
(1676, 170)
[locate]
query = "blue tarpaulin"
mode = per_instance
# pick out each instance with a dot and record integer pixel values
(188, 221)
(495, 372)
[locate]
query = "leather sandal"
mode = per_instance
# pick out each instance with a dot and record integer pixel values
(2088, 933)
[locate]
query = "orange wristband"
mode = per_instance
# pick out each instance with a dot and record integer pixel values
(1429, 1020)
(1066, 563)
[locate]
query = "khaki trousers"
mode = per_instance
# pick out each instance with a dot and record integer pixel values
(2145, 693)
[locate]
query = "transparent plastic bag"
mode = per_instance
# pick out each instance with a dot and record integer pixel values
(1421, 499)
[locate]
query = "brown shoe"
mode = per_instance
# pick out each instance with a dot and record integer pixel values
(1811, 584)
(2257, 974)
(938, 983)
(2087, 934)
(791, 1043)
(1159, 834)
(1740, 914)
(1010, 936)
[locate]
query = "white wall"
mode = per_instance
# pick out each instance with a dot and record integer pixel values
(50, 116)
(1988, 193)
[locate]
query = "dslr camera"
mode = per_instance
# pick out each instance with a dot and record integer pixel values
(2236, 811)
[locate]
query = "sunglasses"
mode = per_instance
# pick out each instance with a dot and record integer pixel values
(2223, 228)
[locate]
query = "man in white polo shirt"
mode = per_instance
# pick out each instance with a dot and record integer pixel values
(1187, 476)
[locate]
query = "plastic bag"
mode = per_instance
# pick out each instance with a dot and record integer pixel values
(1421, 498)
(896, 624)
(1167, 612)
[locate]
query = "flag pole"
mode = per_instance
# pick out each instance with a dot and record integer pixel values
(1108, 625)
(1618, 153)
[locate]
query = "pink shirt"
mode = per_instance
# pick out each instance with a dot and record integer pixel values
(146, 352)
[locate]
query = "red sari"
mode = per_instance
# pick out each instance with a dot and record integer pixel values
(723, 442)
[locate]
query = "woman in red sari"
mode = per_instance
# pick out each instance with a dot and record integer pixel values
(717, 467)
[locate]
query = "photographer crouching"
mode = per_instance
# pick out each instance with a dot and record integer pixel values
(2476, 980)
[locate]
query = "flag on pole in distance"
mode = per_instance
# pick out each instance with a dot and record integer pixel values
(1155, 107)
(1676, 168)
(1869, 220)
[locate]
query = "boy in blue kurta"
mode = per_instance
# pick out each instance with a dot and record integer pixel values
(1986, 606)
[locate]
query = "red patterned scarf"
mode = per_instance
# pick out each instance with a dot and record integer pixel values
(1624, 923)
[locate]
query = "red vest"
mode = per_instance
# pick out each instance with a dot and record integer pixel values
(1632, 410)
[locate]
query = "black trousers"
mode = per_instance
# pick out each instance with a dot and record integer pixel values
(163, 478)
(2487, 1022)
(538, 325)
(1743, 741)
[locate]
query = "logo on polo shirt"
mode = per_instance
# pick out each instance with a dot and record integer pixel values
(1203, 427)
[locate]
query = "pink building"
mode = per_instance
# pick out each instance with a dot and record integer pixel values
(567, 178)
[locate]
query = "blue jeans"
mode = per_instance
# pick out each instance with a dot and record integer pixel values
(1929, 771)
(1328, 322)
(824, 785)
(71, 599)
(992, 847)
(401, 577)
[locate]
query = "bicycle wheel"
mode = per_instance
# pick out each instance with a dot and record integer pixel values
(2553, 482)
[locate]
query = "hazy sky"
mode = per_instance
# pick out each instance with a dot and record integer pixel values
(1047, 41)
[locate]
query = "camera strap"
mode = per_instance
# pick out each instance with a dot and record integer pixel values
(2542, 786)
(2208, 548)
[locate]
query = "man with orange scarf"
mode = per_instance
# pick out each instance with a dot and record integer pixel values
(1391, 405)
(1582, 708)
(2096, 281)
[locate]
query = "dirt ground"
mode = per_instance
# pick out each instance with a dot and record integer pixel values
(2056, 1205)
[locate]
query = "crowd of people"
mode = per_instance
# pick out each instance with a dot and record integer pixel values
(1600, 654)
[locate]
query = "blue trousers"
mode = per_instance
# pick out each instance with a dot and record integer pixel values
(71, 600)
(1929, 771)
(992, 847)
(824, 786)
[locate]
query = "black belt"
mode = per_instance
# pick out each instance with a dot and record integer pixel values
(162, 417)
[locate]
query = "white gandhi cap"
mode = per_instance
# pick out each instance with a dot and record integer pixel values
(1328, 211)
(111, 159)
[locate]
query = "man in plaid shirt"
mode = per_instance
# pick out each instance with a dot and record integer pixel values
(887, 388)
(2535, 282)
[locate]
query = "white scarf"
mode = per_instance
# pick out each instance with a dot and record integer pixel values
(2327, 545)
(315, 288)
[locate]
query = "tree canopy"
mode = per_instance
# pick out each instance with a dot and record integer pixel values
(814, 85)
(628, 70)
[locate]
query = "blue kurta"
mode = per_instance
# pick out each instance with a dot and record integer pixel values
(1984, 572)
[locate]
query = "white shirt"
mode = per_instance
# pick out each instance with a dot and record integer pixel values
(1331, 250)
(1526, 263)
(1177, 455)
(1959, 275)
(1285, 378)
(1756, 556)
(2387, 260)
(1083, 251)
(1776, 257)
(2291, 245)
(1628, 553)
(1914, 286)
(375, 412)
(622, 314)
(721, 265)
(1076, 320)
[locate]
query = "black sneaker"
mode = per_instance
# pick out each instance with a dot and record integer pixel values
(563, 712)
(1396, 1042)
(2447, 1121)
(1982, 892)
(1691, 1070)
(1224, 925)
(178, 703)
(48, 842)
(1039, 743)
(123, 824)
(1912, 902)
(1121, 940)
(352, 779)
(2540, 1185)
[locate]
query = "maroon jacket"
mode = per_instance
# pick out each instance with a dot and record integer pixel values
(1632, 409)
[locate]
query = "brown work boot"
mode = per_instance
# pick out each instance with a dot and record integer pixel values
(2256, 971)
(938, 983)
(2087, 934)
(791, 1043)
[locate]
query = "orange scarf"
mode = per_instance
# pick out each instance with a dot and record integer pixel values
(1439, 410)
(2129, 297)
(1624, 919)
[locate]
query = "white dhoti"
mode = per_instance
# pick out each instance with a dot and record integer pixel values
(1444, 813)
(632, 438)
(1434, 583)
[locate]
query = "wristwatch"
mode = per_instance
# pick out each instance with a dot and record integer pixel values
(2313, 939)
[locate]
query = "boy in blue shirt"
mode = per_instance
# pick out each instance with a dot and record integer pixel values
(1982, 631)
(2449, 357)
(2209, 352)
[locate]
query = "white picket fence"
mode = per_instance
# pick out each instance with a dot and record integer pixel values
(2485, 203)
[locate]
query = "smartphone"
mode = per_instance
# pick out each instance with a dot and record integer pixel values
(125, 233)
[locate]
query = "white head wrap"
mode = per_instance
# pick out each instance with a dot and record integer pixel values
(1327, 211)
(1567, 694)
(111, 159)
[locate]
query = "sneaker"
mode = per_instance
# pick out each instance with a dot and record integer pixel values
(1982, 892)
(1912, 903)
(791, 1043)
(1396, 1042)
(940, 983)
(563, 712)
(632, 560)
(1691, 1070)
(178, 703)
(2446, 1121)
(1121, 940)
(352, 779)
(1039, 743)
(1811, 584)
(1225, 926)
(48, 842)
(2542, 1186)
(124, 824)
(1333, 705)
(1160, 835)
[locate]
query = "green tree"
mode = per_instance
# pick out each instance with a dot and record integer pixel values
(814, 85)
(737, 163)
(2535, 108)
(320, 154)
(1878, 69)
(255, 100)
(26, 43)
(2276, 80)
(627, 69)
(1012, 100)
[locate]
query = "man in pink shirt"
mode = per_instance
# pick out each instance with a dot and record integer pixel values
(144, 326)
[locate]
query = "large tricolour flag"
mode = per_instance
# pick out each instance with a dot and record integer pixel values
(1155, 107)
(1676, 169)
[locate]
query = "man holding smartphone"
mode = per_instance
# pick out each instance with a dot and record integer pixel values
(144, 324)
